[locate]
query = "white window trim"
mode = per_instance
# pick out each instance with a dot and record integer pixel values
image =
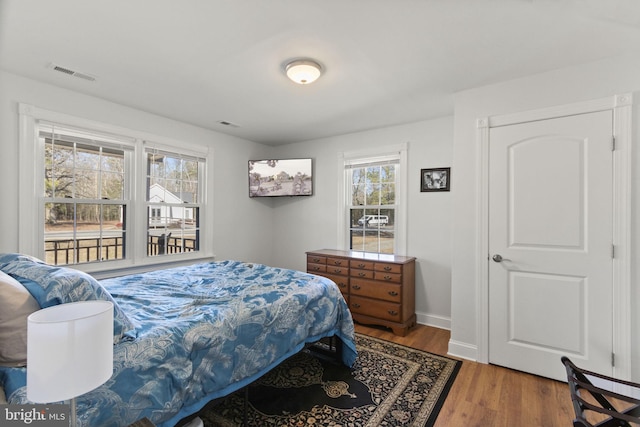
(30, 238)
(401, 193)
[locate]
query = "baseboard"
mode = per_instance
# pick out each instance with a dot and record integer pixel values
(463, 350)
(434, 320)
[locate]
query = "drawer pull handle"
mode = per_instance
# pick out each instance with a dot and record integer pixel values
(393, 293)
(316, 268)
(362, 274)
(355, 305)
(387, 277)
(361, 265)
(393, 312)
(387, 268)
(316, 259)
(337, 262)
(356, 287)
(342, 285)
(337, 270)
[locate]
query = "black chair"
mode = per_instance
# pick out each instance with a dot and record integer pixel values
(596, 406)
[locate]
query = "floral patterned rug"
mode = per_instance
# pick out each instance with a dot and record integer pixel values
(389, 385)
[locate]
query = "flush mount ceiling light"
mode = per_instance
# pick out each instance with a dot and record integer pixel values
(303, 71)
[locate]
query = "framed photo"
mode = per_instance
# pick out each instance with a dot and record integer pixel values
(436, 179)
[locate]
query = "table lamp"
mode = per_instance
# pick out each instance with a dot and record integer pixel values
(69, 351)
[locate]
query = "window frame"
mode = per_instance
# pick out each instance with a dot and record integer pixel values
(31, 194)
(344, 204)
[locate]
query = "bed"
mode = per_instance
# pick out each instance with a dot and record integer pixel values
(185, 336)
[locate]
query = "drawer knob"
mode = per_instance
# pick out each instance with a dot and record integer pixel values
(356, 305)
(362, 274)
(337, 270)
(316, 268)
(342, 285)
(393, 293)
(337, 262)
(316, 259)
(361, 265)
(393, 312)
(387, 268)
(387, 277)
(356, 287)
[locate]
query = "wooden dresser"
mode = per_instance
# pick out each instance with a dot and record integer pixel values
(379, 288)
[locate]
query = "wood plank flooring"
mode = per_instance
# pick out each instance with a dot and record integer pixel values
(487, 395)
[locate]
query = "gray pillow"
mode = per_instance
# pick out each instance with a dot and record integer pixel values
(16, 304)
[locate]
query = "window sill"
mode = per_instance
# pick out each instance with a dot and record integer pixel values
(107, 270)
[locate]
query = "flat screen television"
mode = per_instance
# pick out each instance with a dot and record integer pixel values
(280, 178)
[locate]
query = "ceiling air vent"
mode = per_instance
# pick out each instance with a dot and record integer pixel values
(73, 73)
(226, 123)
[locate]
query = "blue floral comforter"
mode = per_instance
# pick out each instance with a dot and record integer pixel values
(202, 332)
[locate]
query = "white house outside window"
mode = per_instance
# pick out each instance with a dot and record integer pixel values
(104, 198)
(173, 201)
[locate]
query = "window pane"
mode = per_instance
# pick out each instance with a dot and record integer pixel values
(58, 169)
(388, 174)
(190, 191)
(356, 217)
(388, 194)
(172, 229)
(86, 184)
(87, 156)
(373, 194)
(83, 232)
(112, 186)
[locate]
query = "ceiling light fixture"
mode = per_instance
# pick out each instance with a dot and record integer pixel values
(303, 71)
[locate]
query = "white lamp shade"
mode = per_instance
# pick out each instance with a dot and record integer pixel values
(69, 350)
(303, 71)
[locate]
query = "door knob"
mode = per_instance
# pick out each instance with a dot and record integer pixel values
(497, 258)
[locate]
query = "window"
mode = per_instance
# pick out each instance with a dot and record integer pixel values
(92, 194)
(372, 206)
(374, 186)
(173, 202)
(85, 195)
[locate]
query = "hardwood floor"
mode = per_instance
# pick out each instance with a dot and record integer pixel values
(487, 395)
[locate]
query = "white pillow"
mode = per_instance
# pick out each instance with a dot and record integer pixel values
(16, 304)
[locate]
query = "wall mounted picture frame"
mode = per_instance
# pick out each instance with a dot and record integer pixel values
(435, 179)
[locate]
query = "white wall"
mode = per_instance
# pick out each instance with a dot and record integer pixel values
(307, 223)
(581, 83)
(240, 226)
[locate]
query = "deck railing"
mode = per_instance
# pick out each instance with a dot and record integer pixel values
(76, 251)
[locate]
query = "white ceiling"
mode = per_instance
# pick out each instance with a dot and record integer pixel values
(386, 61)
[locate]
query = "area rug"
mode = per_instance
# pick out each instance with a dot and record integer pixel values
(389, 385)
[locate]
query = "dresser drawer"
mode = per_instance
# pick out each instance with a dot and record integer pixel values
(338, 262)
(384, 291)
(316, 268)
(315, 259)
(362, 265)
(341, 281)
(388, 277)
(363, 274)
(375, 308)
(341, 271)
(388, 268)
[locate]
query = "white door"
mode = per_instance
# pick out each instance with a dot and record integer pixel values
(550, 244)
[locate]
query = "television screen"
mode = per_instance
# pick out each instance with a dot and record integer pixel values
(283, 177)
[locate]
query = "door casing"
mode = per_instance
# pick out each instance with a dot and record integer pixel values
(621, 105)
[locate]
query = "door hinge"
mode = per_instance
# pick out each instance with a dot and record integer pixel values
(613, 143)
(613, 359)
